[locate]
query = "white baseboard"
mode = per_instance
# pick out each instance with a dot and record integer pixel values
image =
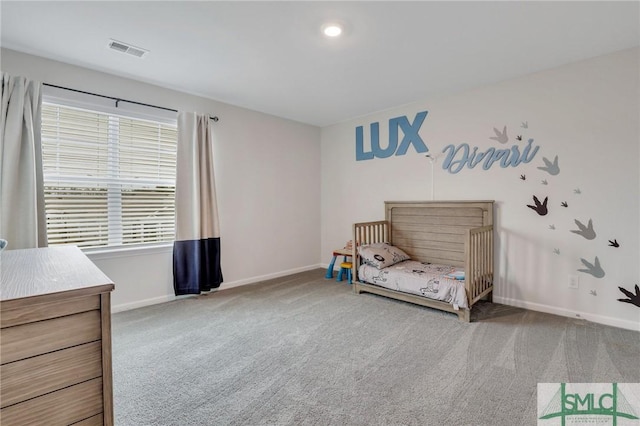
(170, 297)
(259, 278)
(601, 319)
(141, 303)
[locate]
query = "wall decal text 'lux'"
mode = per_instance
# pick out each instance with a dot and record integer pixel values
(411, 137)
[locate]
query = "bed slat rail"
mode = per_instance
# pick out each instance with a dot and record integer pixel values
(367, 233)
(371, 232)
(479, 263)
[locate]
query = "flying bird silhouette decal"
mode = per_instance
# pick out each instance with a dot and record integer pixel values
(523, 177)
(614, 243)
(634, 299)
(577, 191)
(500, 136)
(525, 125)
(592, 268)
(519, 137)
(539, 208)
(585, 231)
(552, 227)
(544, 182)
(552, 168)
(564, 204)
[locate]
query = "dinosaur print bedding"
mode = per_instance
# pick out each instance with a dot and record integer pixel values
(424, 279)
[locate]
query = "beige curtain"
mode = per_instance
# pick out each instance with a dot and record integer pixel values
(196, 251)
(22, 218)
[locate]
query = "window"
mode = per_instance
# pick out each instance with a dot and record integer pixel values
(109, 180)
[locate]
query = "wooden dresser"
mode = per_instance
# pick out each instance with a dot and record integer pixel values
(55, 339)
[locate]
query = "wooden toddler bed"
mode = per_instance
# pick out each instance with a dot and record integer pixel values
(456, 233)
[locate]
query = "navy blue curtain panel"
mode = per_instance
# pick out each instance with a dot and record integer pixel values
(196, 266)
(196, 251)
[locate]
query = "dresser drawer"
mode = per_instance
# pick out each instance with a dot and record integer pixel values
(64, 407)
(26, 313)
(23, 341)
(32, 377)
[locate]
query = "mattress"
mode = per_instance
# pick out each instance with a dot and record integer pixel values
(423, 279)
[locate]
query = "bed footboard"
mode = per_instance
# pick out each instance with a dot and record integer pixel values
(478, 263)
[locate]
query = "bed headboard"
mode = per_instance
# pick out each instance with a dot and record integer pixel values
(434, 231)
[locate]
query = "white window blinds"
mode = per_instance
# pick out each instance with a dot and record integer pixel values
(109, 180)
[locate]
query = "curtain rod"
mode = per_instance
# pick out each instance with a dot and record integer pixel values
(118, 100)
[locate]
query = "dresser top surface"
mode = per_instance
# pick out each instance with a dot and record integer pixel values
(43, 271)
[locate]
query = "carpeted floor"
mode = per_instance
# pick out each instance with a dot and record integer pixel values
(302, 350)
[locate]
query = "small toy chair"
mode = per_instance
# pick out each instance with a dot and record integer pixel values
(345, 266)
(339, 252)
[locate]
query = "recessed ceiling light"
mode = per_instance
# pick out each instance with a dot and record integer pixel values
(332, 30)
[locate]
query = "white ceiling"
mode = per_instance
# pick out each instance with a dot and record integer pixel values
(271, 56)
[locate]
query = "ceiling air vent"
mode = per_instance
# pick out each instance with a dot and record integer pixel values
(127, 48)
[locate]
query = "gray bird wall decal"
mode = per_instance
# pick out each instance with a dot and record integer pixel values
(592, 268)
(552, 168)
(500, 136)
(585, 231)
(525, 125)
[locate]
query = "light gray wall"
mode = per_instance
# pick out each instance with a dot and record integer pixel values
(267, 180)
(587, 114)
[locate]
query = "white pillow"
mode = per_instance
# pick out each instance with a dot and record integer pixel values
(382, 255)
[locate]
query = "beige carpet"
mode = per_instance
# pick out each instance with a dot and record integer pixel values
(302, 350)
